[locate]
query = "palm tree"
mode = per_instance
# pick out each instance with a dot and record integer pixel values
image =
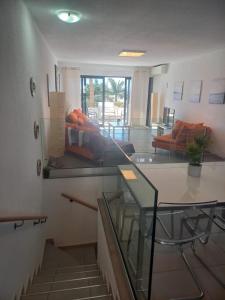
(116, 89)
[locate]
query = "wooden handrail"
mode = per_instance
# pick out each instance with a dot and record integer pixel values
(37, 219)
(73, 199)
(21, 218)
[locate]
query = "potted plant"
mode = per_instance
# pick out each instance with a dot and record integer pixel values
(195, 152)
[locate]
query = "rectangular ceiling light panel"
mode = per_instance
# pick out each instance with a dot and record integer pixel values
(129, 53)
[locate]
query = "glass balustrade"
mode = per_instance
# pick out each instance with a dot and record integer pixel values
(132, 202)
(67, 146)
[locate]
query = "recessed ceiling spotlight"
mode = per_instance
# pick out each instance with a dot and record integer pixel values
(68, 16)
(131, 53)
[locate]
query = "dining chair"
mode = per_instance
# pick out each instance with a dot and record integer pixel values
(218, 219)
(178, 225)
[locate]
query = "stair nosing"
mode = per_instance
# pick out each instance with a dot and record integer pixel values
(65, 280)
(63, 290)
(92, 297)
(60, 271)
(73, 266)
(54, 274)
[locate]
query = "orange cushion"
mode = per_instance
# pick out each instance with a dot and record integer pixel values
(176, 128)
(80, 120)
(73, 117)
(80, 115)
(167, 138)
(187, 133)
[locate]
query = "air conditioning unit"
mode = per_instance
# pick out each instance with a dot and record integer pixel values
(159, 70)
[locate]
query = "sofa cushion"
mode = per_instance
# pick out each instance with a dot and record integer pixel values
(176, 128)
(73, 118)
(167, 138)
(187, 133)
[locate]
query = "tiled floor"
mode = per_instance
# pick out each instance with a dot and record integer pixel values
(171, 278)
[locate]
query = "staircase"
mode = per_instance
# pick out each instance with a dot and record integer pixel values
(68, 274)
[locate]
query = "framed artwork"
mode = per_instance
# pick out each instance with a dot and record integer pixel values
(178, 90)
(196, 90)
(47, 79)
(217, 91)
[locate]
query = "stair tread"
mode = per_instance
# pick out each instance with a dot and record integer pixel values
(65, 285)
(45, 297)
(54, 256)
(74, 293)
(63, 276)
(68, 269)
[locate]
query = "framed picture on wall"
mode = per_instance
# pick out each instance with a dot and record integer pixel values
(217, 91)
(196, 90)
(178, 90)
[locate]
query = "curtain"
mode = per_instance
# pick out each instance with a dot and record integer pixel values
(71, 87)
(139, 97)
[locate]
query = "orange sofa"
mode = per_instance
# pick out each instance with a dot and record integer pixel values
(182, 134)
(78, 122)
(84, 138)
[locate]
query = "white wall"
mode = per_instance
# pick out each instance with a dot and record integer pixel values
(71, 223)
(206, 67)
(23, 53)
(100, 70)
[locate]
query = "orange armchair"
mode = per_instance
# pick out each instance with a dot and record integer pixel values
(182, 134)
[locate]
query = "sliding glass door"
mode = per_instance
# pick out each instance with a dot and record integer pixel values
(92, 95)
(105, 99)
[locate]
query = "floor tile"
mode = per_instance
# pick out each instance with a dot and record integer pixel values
(214, 289)
(175, 284)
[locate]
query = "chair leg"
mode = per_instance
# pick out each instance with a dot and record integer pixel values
(208, 268)
(194, 277)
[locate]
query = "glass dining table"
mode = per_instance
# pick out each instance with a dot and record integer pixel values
(175, 186)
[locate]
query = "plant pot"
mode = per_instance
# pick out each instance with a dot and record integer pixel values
(194, 170)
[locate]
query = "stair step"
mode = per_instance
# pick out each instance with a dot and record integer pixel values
(55, 257)
(67, 269)
(65, 276)
(69, 294)
(45, 297)
(65, 284)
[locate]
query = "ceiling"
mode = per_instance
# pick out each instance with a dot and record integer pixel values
(168, 30)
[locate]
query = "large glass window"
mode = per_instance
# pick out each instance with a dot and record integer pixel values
(105, 99)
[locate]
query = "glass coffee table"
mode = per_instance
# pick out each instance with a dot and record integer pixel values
(125, 128)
